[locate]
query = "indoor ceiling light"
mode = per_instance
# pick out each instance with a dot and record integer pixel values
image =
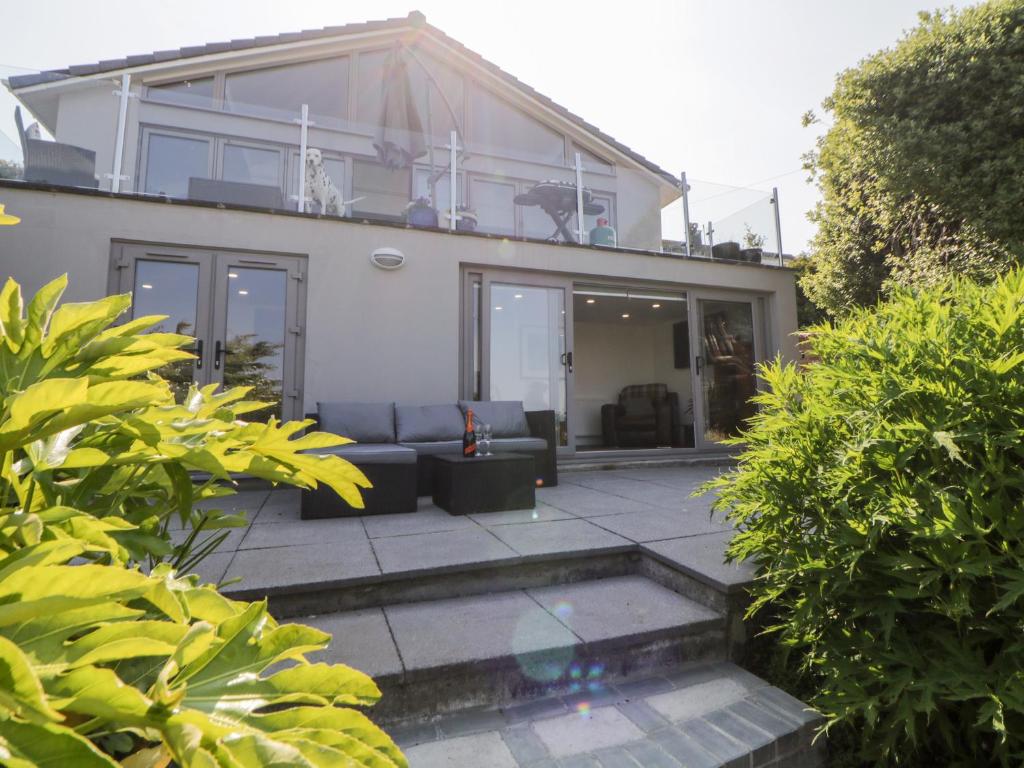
(625, 316)
(655, 306)
(518, 296)
(498, 309)
(591, 301)
(232, 274)
(243, 292)
(147, 286)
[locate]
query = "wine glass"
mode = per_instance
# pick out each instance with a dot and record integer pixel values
(487, 437)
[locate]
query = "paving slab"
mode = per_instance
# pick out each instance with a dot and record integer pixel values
(361, 639)
(586, 502)
(697, 700)
(542, 513)
(566, 536)
(262, 569)
(426, 519)
(426, 551)
(704, 557)
(661, 524)
(211, 568)
(467, 629)
(234, 537)
(580, 732)
(482, 749)
(291, 533)
(280, 507)
(620, 607)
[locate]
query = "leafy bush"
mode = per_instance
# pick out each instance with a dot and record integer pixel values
(102, 433)
(919, 169)
(101, 663)
(881, 492)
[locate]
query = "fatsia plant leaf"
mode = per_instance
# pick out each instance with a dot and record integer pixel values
(34, 745)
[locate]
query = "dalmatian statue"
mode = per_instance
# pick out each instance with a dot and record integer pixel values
(319, 187)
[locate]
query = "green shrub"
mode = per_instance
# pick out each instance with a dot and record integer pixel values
(102, 664)
(881, 493)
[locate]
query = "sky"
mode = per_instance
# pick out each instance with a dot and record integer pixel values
(715, 88)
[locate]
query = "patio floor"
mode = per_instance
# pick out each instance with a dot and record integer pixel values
(588, 513)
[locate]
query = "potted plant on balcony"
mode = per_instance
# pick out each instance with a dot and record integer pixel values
(421, 213)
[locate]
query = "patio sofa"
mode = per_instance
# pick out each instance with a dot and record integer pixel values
(395, 446)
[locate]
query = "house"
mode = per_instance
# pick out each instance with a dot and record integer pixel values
(288, 201)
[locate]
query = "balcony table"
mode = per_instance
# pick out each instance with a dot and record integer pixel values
(558, 200)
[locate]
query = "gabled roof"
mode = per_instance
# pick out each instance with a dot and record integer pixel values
(414, 19)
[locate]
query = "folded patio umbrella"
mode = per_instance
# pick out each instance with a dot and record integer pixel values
(399, 135)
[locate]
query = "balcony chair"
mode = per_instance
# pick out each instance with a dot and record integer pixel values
(646, 416)
(54, 163)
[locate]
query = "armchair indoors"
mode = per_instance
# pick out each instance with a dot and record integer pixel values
(646, 416)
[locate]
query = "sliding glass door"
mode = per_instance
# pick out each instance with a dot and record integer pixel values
(242, 309)
(729, 345)
(521, 344)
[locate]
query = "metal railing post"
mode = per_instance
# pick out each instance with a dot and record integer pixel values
(122, 119)
(453, 196)
(778, 225)
(579, 198)
(686, 214)
(303, 146)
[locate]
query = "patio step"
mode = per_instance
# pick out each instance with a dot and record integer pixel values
(437, 657)
(704, 716)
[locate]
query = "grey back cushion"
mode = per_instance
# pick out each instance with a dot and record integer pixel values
(429, 423)
(506, 417)
(362, 422)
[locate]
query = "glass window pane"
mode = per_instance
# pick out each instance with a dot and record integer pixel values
(172, 160)
(498, 127)
(591, 221)
(252, 165)
(495, 211)
(526, 346)
(591, 162)
(255, 335)
(426, 91)
(172, 289)
(189, 93)
(385, 191)
(281, 91)
(729, 380)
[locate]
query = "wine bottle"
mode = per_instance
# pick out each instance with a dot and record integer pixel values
(469, 436)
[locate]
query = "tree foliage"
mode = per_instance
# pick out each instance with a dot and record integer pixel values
(101, 662)
(920, 171)
(881, 493)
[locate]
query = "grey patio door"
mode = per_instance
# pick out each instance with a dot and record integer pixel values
(526, 350)
(242, 309)
(728, 347)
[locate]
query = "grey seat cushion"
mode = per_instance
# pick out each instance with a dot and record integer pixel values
(436, 447)
(506, 417)
(362, 454)
(513, 444)
(362, 422)
(428, 423)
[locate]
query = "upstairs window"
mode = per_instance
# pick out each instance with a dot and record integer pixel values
(426, 89)
(591, 162)
(189, 93)
(499, 128)
(281, 91)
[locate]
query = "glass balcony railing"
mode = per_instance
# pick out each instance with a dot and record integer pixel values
(514, 177)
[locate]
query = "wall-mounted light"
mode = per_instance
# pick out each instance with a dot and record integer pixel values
(387, 258)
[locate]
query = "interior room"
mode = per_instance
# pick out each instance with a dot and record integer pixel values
(632, 369)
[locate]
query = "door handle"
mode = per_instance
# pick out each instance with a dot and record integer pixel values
(198, 350)
(567, 360)
(219, 349)
(698, 364)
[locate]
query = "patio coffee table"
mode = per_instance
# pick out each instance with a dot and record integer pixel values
(464, 486)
